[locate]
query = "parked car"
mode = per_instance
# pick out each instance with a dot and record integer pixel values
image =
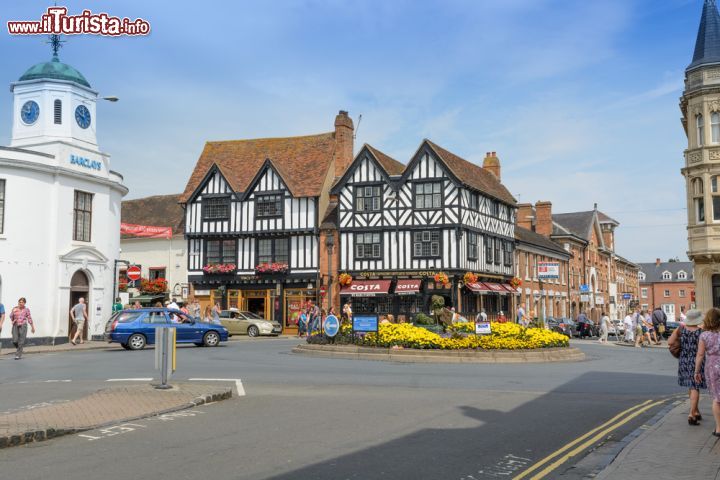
(562, 325)
(670, 327)
(617, 327)
(240, 322)
(588, 329)
(134, 329)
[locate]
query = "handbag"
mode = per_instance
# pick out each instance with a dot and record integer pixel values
(674, 344)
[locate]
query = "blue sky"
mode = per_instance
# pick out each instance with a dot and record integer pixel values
(579, 98)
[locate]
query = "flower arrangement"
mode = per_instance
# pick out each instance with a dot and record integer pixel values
(219, 268)
(442, 278)
(158, 285)
(123, 285)
(271, 268)
(469, 277)
(515, 282)
(345, 279)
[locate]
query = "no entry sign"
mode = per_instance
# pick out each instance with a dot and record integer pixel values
(133, 273)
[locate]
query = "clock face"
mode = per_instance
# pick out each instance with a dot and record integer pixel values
(29, 112)
(82, 116)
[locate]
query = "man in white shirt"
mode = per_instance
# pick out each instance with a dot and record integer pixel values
(629, 328)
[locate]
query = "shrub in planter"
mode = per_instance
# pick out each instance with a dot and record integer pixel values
(422, 319)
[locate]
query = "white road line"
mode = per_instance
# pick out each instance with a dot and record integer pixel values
(128, 379)
(57, 381)
(238, 383)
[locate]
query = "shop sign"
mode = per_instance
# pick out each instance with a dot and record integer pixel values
(366, 288)
(403, 273)
(331, 325)
(365, 323)
(202, 293)
(548, 270)
(600, 300)
(482, 328)
(85, 162)
(584, 298)
(407, 287)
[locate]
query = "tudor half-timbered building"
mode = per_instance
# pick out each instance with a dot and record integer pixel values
(252, 211)
(402, 227)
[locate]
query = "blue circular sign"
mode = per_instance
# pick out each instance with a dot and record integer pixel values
(331, 325)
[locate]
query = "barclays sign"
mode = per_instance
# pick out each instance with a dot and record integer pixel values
(85, 162)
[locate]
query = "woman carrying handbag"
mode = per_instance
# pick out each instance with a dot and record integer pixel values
(683, 344)
(709, 354)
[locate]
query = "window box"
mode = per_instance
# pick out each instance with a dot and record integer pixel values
(270, 268)
(220, 268)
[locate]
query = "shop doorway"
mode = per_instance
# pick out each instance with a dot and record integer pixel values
(256, 306)
(79, 288)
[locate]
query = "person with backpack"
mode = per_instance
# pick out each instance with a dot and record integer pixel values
(659, 321)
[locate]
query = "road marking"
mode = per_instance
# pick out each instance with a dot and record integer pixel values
(57, 381)
(238, 383)
(128, 379)
(640, 408)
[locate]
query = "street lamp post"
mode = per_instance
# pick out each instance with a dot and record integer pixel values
(330, 245)
(115, 285)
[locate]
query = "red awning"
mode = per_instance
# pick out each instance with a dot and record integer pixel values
(511, 289)
(366, 288)
(477, 287)
(487, 287)
(407, 287)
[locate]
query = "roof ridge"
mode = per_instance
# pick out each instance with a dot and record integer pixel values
(268, 138)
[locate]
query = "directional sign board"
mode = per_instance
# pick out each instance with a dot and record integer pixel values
(365, 323)
(133, 273)
(331, 326)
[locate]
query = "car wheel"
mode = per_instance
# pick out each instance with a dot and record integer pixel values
(253, 331)
(211, 339)
(125, 346)
(136, 341)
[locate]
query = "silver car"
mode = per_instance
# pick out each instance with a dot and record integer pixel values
(240, 322)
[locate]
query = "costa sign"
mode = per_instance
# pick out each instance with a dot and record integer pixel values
(366, 288)
(373, 287)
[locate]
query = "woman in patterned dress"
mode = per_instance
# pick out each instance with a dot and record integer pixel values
(709, 352)
(688, 335)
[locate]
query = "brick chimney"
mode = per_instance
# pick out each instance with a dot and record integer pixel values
(344, 142)
(525, 215)
(657, 262)
(491, 163)
(543, 218)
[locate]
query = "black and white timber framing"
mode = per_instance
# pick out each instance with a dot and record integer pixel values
(462, 219)
(291, 219)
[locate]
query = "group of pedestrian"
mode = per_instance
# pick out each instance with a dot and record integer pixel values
(645, 328)
(698, 342)
(20, 318)
(309, 318)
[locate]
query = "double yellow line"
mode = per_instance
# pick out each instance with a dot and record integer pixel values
(563, 454)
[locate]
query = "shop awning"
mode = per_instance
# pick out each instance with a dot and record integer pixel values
(511, 289)
(366, 288)
(487, 287)
(407, 287)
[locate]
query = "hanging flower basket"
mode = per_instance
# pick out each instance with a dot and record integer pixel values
(469, 277)
(345, 279)
(515, 282)
(442, 278)
(159, 285)
(220, 268)
(264, 268)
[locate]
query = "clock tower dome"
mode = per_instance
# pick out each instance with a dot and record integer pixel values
(53, 102)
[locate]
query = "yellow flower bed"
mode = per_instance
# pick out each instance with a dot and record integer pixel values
(505, 336)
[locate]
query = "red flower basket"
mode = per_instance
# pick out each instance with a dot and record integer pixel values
(345, 279)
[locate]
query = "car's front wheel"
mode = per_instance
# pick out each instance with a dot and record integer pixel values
(253, 331)
(137, 341)
(211, 339)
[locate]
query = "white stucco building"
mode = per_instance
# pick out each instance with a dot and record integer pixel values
(59, 204)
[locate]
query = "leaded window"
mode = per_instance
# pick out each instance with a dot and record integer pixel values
(508, 258)
(367, 198)
(82, 216)
(474, 201)
(498, 257)
(367, 245)
(269, 206)
(221, 251)
(216, 208)
(426, 243)
(472, 246)
(488, 250)
(428, 195)
(273, 250)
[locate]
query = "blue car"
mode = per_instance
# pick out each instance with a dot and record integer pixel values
(133, 329)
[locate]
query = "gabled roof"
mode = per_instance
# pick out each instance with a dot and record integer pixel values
(707, 44)
(653, 271)
(602, 218)
(523, 235)
(577, 223)
(156, 211)
(302, 162)
(391, 166)
(472, 175)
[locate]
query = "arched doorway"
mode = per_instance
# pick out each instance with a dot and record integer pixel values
(79, 287)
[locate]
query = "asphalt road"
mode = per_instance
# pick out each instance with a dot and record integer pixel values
(316, 418)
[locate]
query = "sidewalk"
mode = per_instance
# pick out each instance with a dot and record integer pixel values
(671, 449)
(104, 408)
(65, 347)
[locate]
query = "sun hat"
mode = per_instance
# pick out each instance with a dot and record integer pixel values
(693, 318)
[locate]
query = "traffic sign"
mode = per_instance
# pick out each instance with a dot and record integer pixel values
(331, 326)
(584, 288)
(133, 273)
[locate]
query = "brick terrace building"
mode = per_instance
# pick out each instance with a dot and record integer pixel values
(670, 285)
(598, 278)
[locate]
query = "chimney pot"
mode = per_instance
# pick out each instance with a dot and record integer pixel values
(344, 142)
(657, 261)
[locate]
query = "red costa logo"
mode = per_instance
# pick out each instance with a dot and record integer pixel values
(364, 288)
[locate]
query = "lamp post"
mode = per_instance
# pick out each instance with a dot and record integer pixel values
(115, 285)
(329, 245)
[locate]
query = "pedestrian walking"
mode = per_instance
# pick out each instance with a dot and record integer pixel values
(584, 325)
(501, 317)
(117, 306)
(216, 313)
(481, 317)
(521, 318)
(638, 328)
(207, 317)
(315, 315)
(347, 312)
(659, 321)
(20, 318)
(688, 337)
(629, 330)
(79, 316)
(709, 351)
(302, 323)
(195, 308)
(648, 329)
(2, 319)
(604, 327)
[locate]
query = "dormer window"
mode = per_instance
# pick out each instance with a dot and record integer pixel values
(428, 195)
(641, 276)
(682, 275)
(216, 207)
(667, 276)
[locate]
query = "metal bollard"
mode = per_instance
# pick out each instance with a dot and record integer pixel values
(165, 354)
